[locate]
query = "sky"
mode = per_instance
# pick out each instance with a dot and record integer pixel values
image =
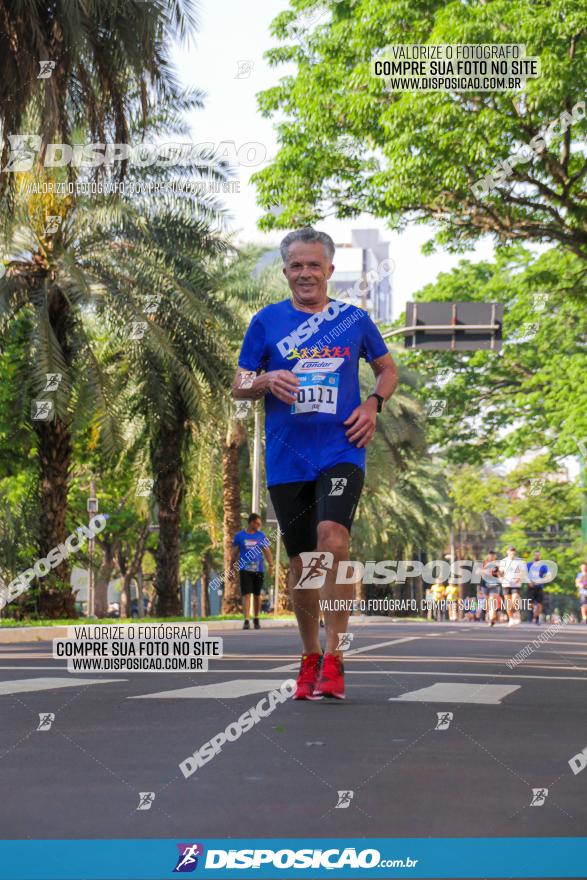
(225, 60)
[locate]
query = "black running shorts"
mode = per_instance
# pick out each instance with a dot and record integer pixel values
(299, 507)
(536, 594)
(251, 582)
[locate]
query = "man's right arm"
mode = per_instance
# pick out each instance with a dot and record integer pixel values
(281, 383)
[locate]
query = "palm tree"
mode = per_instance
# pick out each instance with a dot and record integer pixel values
(99, 53)
(65, 284)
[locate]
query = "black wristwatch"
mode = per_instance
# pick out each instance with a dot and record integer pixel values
(380, 401)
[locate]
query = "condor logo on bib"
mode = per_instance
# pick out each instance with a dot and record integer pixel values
(325, 365)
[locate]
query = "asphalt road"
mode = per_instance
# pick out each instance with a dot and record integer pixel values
(82, 777)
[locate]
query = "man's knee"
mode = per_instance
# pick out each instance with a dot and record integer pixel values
(333, 538)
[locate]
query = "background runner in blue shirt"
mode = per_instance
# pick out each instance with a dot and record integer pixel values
(249, 547)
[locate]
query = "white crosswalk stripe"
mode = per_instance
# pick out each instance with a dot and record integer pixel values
(26, 685)
(458, 692)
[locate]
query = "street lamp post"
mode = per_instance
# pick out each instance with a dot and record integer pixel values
(256, 493)
(92, 507)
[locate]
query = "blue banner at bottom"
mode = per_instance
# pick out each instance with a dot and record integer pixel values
(277, 858)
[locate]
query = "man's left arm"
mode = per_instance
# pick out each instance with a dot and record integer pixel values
(268, 557)
(362, 420)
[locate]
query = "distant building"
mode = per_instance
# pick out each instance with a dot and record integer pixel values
(363, 272)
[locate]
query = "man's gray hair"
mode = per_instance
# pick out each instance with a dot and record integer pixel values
(308, 236)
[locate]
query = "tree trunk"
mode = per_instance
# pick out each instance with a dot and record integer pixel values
(169, 491)
(103, 578)
(205, 581)
(236, 436)
(284, 603)
(125, 597)
(55, 596)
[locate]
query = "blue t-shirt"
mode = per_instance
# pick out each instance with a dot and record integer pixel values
(251, 546)
(323, 349)
(537, 571)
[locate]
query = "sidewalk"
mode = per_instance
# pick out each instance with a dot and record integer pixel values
(13, 634)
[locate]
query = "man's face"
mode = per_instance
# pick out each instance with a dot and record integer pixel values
(256, 525)
(307, 271)
(536, 556)
(511, 553)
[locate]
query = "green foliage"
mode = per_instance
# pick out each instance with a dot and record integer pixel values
(532, 393)
(348, 145)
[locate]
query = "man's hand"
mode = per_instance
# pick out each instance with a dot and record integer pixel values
(362, 423)
(283, 384)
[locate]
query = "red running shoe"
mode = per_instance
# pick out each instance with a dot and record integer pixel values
(306, 681)
(331, 681)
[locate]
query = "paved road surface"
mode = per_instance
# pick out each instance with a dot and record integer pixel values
(512, 731)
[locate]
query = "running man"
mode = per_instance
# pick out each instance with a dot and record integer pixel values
(511, 571)
(251, 544)
(537, 571)
(490, 586)
(304, 353)
(581, 584)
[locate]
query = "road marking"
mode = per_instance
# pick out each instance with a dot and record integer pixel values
(458, 692)
(23, 685)
(381, 645)
(396, 672)
(224, 690)
(292, 666)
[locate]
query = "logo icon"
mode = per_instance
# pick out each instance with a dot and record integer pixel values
(344, 799)
(46, 719)
(314, 568)
(539, 795)
(52, 224)
(242, 409)
(445, 374)
(435, 408)
(144, 487)
(187, 860)
(344, 641)
(152, 301)
(137, 329)
(246, 379)
(46, 68)
(338, 484)
(535, 487)
(444, 719)
(146, 799)
(41, 410)
(52, 381)
(244, 68)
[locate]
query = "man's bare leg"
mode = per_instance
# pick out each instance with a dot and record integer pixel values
(306, 605)
(334, 538)
(247, 605)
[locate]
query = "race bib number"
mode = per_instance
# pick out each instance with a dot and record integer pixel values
(318, 392)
